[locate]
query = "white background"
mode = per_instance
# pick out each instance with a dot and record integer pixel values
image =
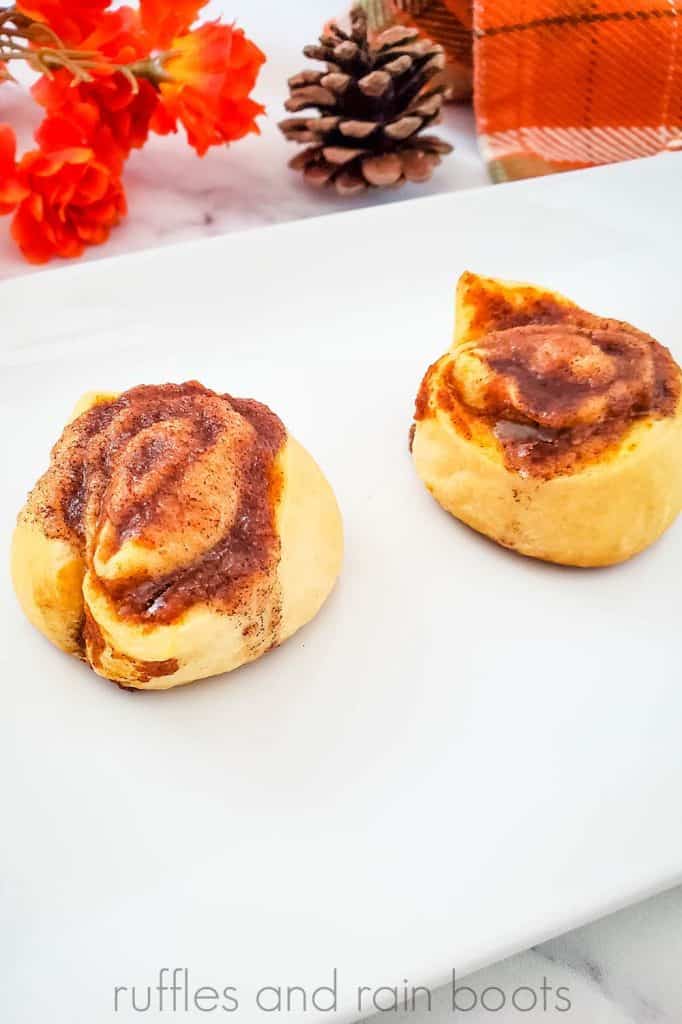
(627, 968)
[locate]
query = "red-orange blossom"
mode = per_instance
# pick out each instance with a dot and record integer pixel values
(113, 75)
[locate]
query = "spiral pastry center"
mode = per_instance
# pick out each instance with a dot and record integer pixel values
(557, 394)
(170, 493)
(562, 375)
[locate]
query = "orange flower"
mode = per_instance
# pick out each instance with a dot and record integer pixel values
(12, 191)
(119, 37)
(119, 72)
(73, 201)
(107, 114)
(212, 71)
(163, 21)
(71, 20)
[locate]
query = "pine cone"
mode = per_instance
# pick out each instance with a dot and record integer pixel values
(374, 99)
(448, 22)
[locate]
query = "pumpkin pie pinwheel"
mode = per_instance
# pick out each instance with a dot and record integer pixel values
(555, 432)
(176, 534)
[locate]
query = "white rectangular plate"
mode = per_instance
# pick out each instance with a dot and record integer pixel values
(466, 751)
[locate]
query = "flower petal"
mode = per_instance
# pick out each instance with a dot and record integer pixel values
(72, 200)
(212, 70)
(164, 21)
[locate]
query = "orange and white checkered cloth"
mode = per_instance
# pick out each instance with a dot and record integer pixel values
(561, 84)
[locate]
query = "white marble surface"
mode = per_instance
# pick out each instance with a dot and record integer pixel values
(622, 970)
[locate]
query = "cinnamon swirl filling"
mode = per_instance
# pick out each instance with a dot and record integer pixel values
(170, 493)
(556, 395)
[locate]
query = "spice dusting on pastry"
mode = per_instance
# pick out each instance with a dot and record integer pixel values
(559, 394)
(536, 389)
(171, 506)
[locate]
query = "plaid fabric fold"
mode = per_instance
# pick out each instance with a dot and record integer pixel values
(561, 84)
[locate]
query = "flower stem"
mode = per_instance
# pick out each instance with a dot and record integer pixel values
(23, 38)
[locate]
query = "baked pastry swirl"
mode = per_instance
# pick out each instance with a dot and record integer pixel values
(176, 534)
(555, 432)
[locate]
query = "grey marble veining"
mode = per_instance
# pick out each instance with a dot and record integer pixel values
(624, 969)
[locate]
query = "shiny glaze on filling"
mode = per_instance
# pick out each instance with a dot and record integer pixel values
(557, 386)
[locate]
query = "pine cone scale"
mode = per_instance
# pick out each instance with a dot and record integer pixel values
(340, 155)
(357, 129)
(350, 184)
(374, 99)
(336, 82)
(403, 128)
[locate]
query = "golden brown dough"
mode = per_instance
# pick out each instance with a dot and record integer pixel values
(553, 431)
(177, 534)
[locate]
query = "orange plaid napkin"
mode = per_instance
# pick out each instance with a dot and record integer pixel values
(560, 84)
